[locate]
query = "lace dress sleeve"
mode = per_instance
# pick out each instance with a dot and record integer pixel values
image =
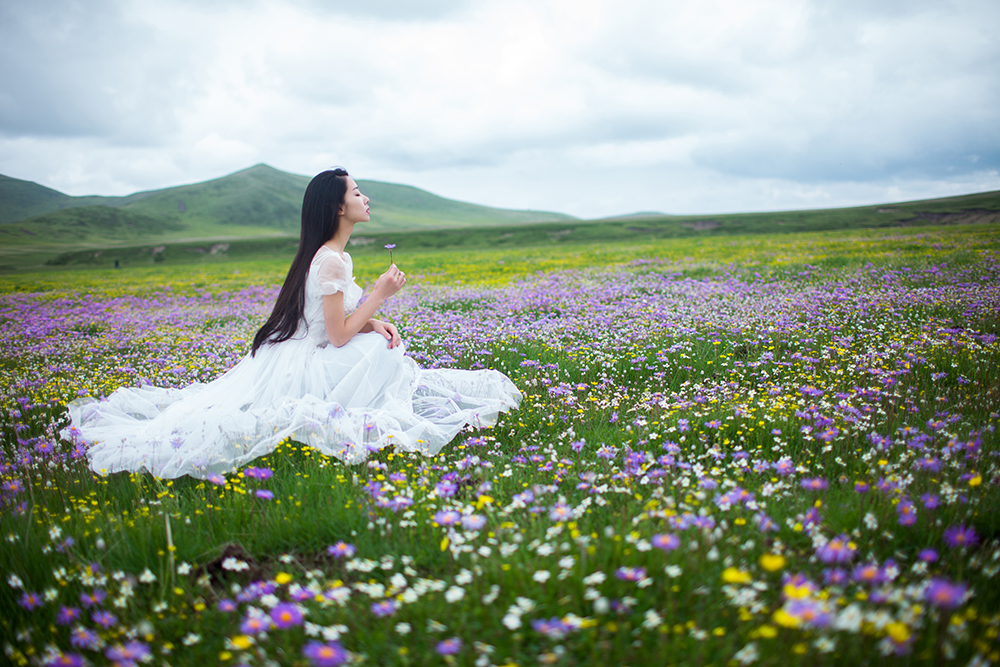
(334, 274)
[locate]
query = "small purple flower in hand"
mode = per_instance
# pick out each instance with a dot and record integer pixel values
(389, 247)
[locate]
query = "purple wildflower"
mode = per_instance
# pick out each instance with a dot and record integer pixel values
(67, 615)
(81, 637)
(341, 550)
(286, 615)
(449, 646)
(254, 624)
(868, 573)
(330, 654)
(631, 573)
(960, 536)
(384, 608)
(560, 512)
(814, 484)
(667, 542)
(128, 654)
(105, 619)
(945, 594)
(65, 660)
(840, 549)
(809, 612)
(447, 517)
(446, 488)
(554, 628)
(31, 601)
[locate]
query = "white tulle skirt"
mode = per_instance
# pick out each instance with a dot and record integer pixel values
(345, 402)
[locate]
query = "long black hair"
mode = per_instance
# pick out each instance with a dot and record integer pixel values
(320, 221)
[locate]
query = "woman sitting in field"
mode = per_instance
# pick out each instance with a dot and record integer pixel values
(321, 371)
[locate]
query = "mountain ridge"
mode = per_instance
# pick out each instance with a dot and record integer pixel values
(260, 197)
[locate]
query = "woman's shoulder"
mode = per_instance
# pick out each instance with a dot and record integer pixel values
(326, 254)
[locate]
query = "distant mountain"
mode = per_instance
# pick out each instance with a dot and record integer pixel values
(257, 200)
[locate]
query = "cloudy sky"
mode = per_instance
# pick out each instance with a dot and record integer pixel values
(588, 107)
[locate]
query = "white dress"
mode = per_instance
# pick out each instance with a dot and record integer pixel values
(344, 401)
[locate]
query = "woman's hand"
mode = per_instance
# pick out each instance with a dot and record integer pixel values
(390, 282)
(388, 330)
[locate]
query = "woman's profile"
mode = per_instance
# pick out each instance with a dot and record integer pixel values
(321, 371)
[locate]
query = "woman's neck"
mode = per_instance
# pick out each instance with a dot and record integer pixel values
(338, 242)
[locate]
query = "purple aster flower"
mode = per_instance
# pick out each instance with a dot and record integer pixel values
(765, 523)
(65, 660)
(868, 573)
(80, 637)
(258, 473)
(945, 594)
(105, 619)
(784, 466)
(809, 612)
(930, 501)
(226, 605)
(835, 577)
(667, 542)
(31, 601)
(560, 512)
(254, 624)
(128, 654)
(928, 555)
(399, 503)
(286, 615)
(341, 550)
(67, 615)
(447, 517)
(861, 487)
(814, 484)
(960, 536)
(264, 494)
(554, 628)
(384, 608)
(907, 513)
(301, 595)
(840, 549)
(446, 488)
(449, 646)
(631, 573)
(330, 654)
(216, 478)
(473, 521)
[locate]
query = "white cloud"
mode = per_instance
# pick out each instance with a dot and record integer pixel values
(592, 107)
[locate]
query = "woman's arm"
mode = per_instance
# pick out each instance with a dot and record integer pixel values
(339, 329)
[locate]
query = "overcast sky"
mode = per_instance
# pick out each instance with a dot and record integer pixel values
(588, 107)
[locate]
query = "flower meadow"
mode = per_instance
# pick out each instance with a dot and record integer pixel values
(730, 452)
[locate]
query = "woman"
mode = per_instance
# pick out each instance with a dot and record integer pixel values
(321, 371)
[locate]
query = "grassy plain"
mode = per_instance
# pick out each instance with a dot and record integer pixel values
(721, 447)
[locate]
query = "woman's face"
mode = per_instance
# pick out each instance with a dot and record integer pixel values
(355, 206)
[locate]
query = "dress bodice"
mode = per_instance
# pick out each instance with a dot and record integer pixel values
(329, 273)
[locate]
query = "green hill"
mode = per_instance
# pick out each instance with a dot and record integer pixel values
(257, 201)
(982, 207)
